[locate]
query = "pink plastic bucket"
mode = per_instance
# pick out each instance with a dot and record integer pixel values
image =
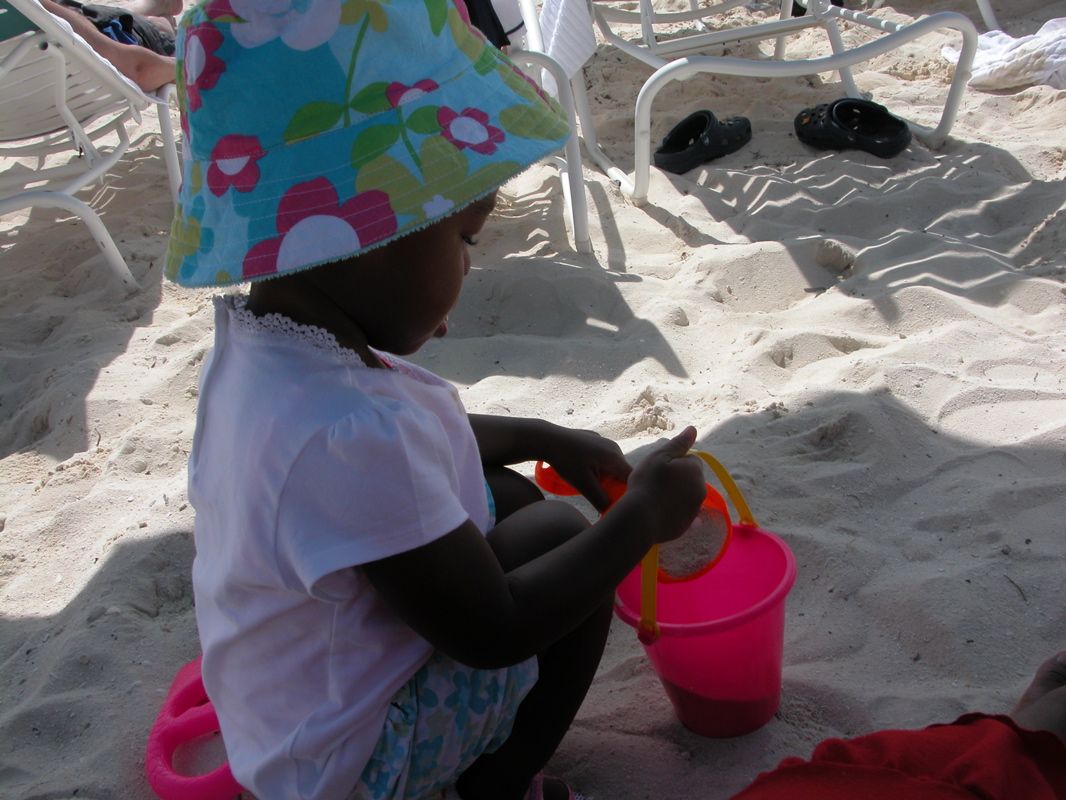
(719, 656)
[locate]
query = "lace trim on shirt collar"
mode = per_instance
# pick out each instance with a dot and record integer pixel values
(280, 326)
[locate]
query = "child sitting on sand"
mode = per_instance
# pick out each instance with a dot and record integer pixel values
(385, 610)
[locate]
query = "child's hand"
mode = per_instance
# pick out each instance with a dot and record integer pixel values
(582, 458)
(671, 486)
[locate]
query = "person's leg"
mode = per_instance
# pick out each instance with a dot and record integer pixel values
(161, 13)
(566, 668)
(566, 672)
(510, 491)
(155, 8)
(147, 69)
(1043, 706)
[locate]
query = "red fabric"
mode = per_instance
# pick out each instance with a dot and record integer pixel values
(977, 756)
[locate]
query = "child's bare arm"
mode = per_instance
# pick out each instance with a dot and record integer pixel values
(455, 593)
(580, 457)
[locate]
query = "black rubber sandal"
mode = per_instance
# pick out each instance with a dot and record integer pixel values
(701, 137)
(851, 124)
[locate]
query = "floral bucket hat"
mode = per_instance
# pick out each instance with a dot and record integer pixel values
(318, 129)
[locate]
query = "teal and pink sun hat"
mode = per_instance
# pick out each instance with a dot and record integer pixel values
(318, 129)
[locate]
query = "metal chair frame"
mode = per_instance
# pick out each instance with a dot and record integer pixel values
(669, 60)
(57, 95)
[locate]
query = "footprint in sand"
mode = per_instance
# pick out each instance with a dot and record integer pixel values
(835, 256)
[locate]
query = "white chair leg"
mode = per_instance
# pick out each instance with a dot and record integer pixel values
(531, 17)
(170, 148)
(577, 205)
(574, 193)
(836, 43)
(588, 135)
(46, 199)
(988, 15)
(647, 16)
(963, 70)
(637, 187)
(819, 13)
(781, 41)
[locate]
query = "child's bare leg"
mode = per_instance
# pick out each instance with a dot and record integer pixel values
(510, 492)
(566, 672)
(567, 668)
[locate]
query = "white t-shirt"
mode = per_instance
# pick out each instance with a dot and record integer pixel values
(305, 464)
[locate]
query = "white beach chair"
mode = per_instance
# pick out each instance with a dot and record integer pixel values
(526, 50)
(58, 98)
(676, 58)
(569, 163)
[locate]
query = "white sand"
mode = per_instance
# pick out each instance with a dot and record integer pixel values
(875, 348)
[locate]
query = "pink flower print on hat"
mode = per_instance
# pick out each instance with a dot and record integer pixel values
(469, 129)
(398, 94)
(233, 164)
(316, 228)
(218, 9)
(202, 67)
(300, 24)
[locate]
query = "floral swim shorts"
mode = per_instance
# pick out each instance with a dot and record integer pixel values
(438, 723)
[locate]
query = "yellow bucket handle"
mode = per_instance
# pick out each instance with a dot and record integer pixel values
(730, 486)
(647, 628)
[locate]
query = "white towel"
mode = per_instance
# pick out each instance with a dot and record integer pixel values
(568, 36)
(1003, 62)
